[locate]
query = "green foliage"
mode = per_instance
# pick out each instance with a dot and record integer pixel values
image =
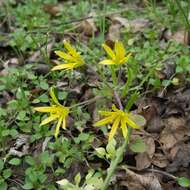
(138, 146)
(183, 181)
(22, 88)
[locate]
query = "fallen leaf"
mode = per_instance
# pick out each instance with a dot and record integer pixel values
(181, 159)
(52, 9)
(160, 160)
(174, 132)
(139, 24)
(134, 181)
(87, 27)
(180, 36)
(142, 161)
(114, 32)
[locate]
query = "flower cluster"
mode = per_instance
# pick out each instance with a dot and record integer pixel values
(116, 117)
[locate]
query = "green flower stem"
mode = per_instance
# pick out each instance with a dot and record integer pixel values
(114, 163)
(113, 74)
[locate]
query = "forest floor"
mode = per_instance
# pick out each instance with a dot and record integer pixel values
(156, 76)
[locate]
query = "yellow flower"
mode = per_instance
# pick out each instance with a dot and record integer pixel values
(57, 112)
(121, 119)
(118, 55)
(72, 58)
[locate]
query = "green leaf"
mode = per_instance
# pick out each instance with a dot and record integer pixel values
(128, 83)
(22, 116)
(138, 146)
(27, 186)
(1, 165)
(15, 161)
(183, 181)
(7, 173)
(44, 85)
(3, 186)
(13, 133)
(100, 152)
(30, 160)
(77, 179)
(5, 132)
(110, 148)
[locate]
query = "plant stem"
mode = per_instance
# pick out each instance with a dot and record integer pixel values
(184, 14)
(114, 77)
(115, 163)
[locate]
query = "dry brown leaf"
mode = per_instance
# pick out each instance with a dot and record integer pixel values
(142, 161)
(88, 27)
(52, 9)
(139, 24)
(134, 181)
(116, 19)
(181, 159)
(114, 32)
(180, 36)
(174, 132)
(160, 160)
(21, 146)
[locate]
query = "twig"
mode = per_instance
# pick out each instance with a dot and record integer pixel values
(117, 98)
(152, 170)
(87, 101)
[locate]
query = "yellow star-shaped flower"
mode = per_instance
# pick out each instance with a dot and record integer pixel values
(57, 112)
(121, 119)
(72, 58)
(117, 56)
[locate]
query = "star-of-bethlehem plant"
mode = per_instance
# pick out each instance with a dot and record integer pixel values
(117, 117)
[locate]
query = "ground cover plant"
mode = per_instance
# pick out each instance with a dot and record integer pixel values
(94, 95)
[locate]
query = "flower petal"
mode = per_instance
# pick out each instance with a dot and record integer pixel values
(105, 121)
(125, 59)
(106, 113)
(58, 127)
(45, 109)
(119, 50)
(114, 128)
(107, 62)
(64, 123)
(48, 119)
(124, 127)
(114, 108)
(131, 123)
(64, 55)
(52, 94)
(109, 51)
(63, 66)
(70, 49)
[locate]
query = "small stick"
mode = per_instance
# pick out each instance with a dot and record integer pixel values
(117, 98)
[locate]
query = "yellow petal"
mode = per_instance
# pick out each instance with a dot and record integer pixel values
(71, 50)
(107, 62)
(114, 108)
(109, 51)
(131, 123)
(106, 113)
(114, 128)
(125, 59)
(45, 109)
(64, 55)
(48, 119)
(52, 94)
(119, 50)
(105, 121)
(124, 128)
(63, 66)
(58, 127)
(64, 123)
